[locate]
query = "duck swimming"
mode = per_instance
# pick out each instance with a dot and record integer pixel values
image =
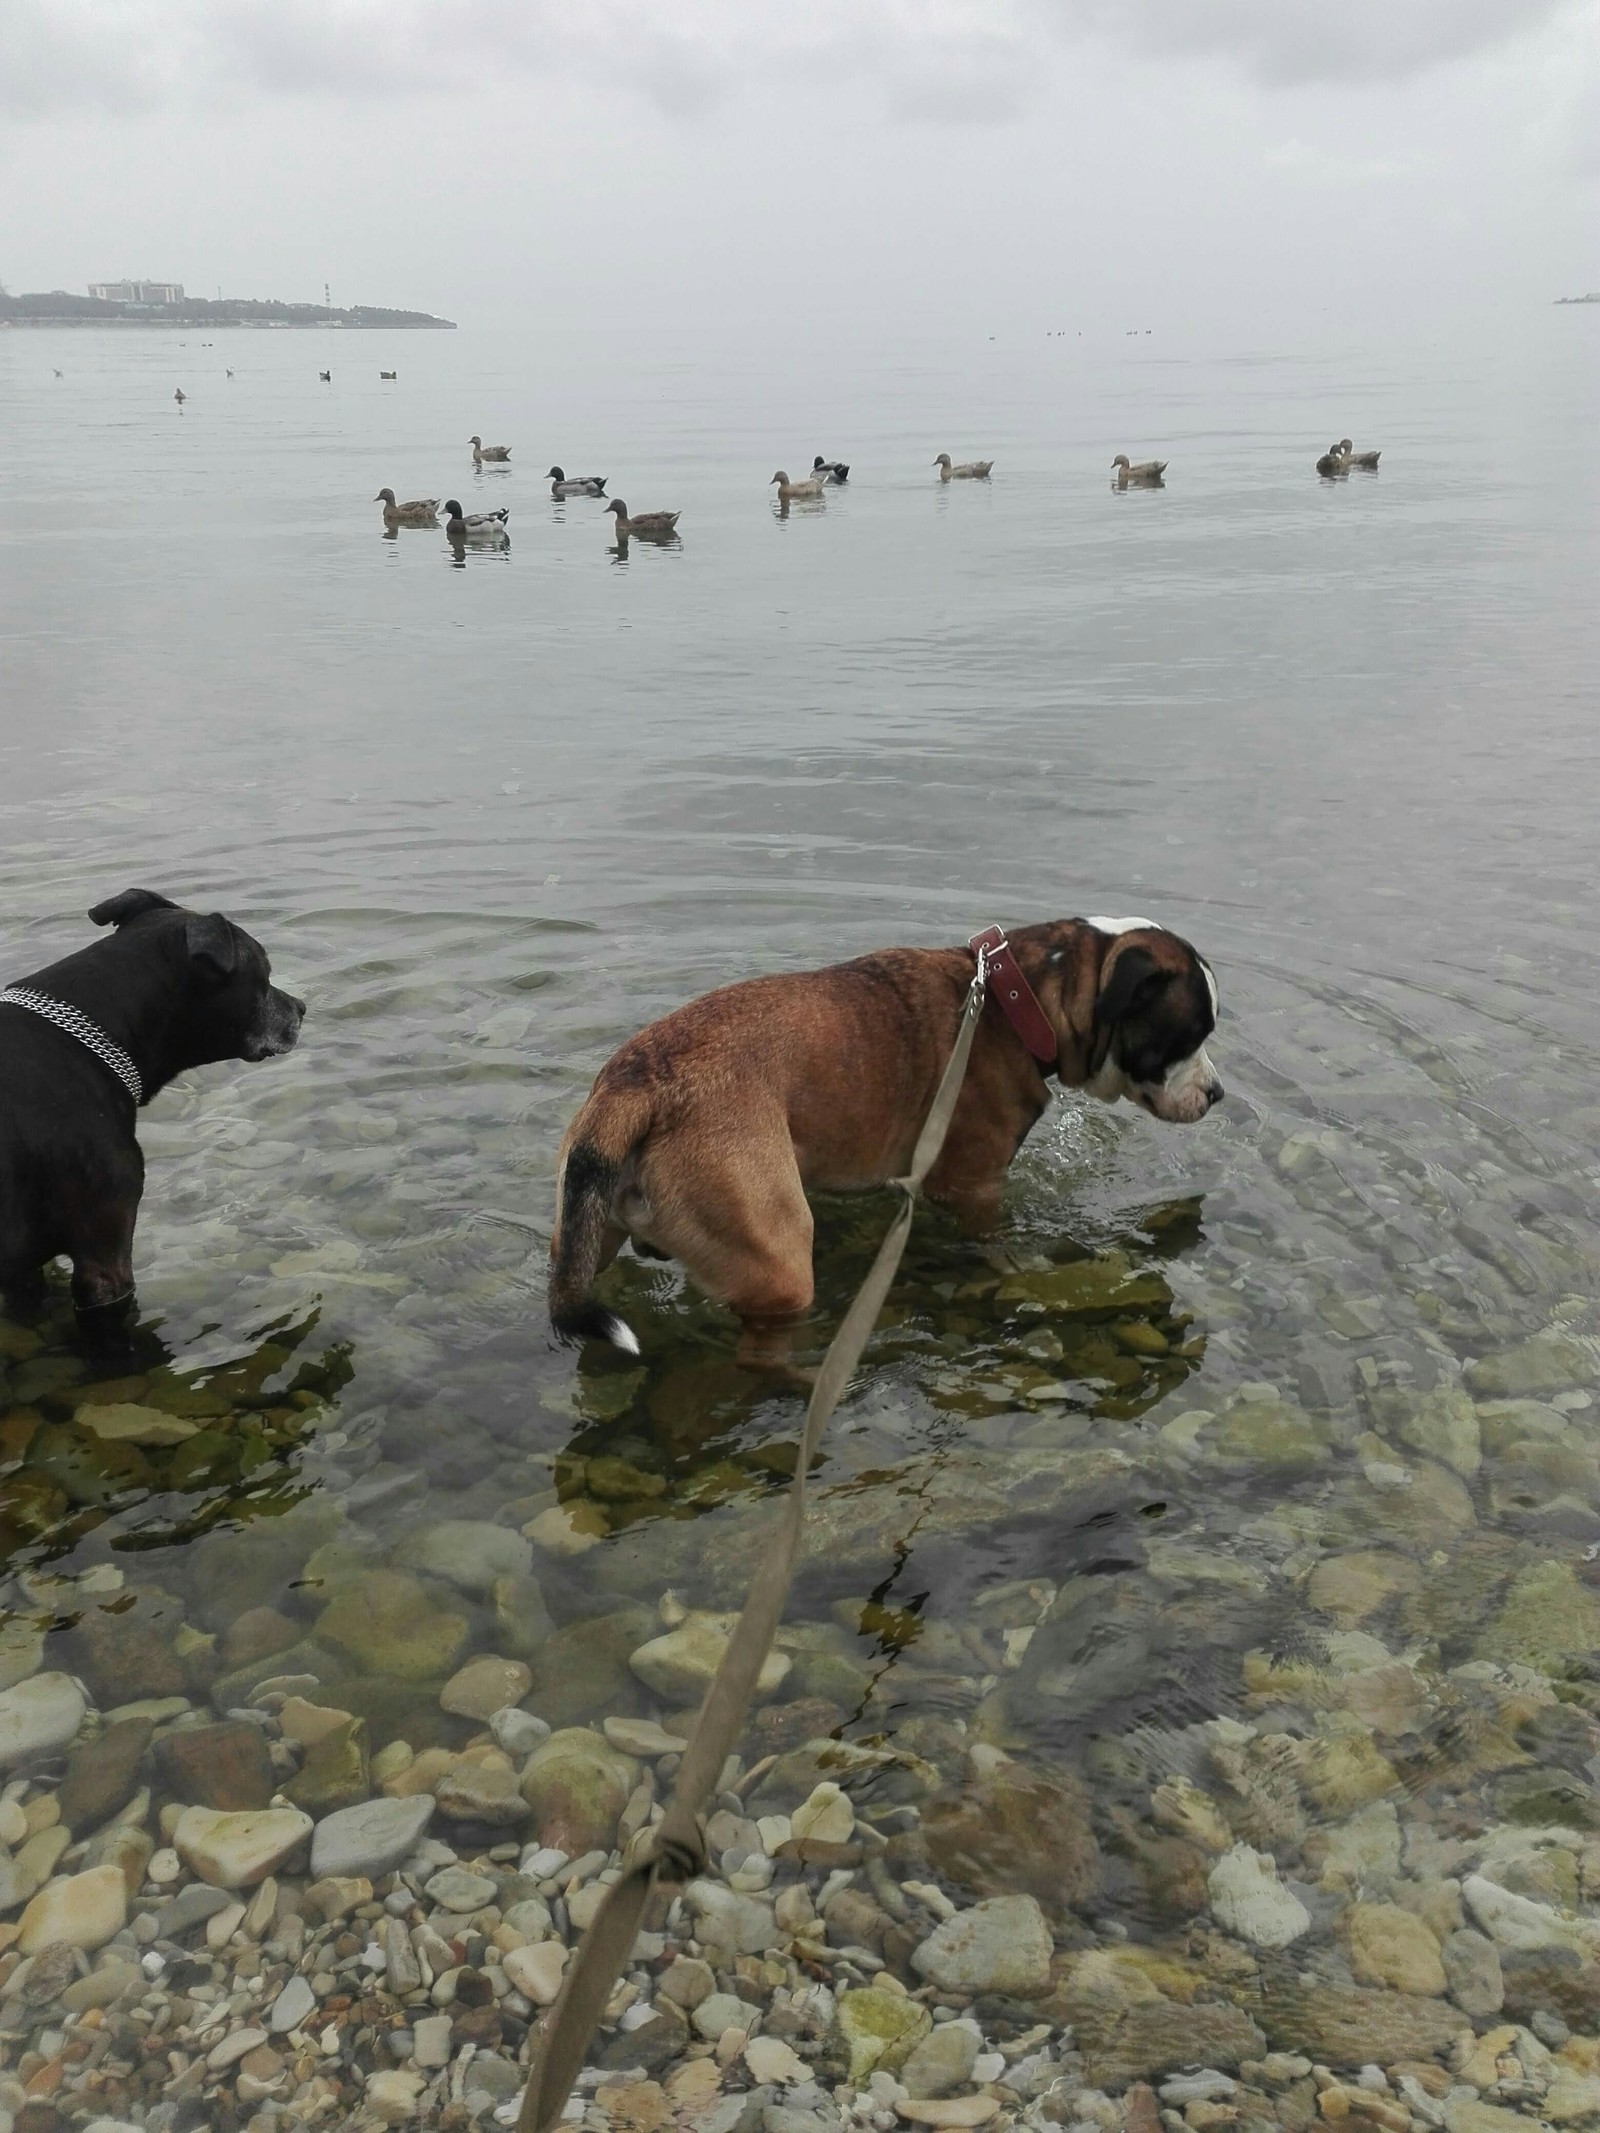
(482, 451)
(797, 491)
(326, 376)
(576, 484)
(480, 526)
(388, 374)
(1332, 463)
(833, 470)
(1146, 475)
(1353, 458)
(421, 511)
(969, 469)
(180, 396)
(649, 525)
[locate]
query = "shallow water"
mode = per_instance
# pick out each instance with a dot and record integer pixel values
(490, 813)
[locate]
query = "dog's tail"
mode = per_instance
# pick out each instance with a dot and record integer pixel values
(585, 1192)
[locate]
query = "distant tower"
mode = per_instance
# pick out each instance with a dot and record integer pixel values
(327, 300)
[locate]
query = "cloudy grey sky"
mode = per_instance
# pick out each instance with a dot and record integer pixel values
(910, 160)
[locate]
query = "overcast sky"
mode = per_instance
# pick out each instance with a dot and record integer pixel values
(1018, 161)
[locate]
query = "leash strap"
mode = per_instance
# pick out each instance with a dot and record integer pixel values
(1017, 1000)
(77, 1024)
(674, 1852)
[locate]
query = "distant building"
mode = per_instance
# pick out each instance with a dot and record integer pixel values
(137, 292)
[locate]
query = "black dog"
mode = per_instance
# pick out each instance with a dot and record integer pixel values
(85, 1042)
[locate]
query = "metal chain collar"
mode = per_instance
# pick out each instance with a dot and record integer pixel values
(77, 1024)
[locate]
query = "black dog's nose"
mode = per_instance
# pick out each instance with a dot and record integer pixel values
(299, 1007)
(1215, 1094)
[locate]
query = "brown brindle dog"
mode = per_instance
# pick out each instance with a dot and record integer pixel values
(703, 1134)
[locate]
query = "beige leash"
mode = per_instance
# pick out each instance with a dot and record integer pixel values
(675, 1851)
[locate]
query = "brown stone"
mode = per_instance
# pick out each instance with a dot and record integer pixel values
(1556, 1978)
(257, 1634)
(102, 1773)
(124, 1650)
(1145, 2039)
(1140, 2111)
(1018, 1831)
(1346, 2026)
(778, 1727)
(227, 1766)
(476, 2025)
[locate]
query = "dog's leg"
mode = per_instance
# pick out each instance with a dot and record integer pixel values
(739, 1222)
(102, 1282)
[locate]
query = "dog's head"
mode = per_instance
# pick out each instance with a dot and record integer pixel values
(1133, 1006)
(228, 1007)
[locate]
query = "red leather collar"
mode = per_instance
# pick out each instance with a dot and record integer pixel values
(1016, 997)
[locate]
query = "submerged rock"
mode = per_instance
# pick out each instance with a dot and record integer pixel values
(881, 2029)
(371, 1839)
(1545, 1617)
(576, 1785)
(1003, 1945)
(235, 1851)
(1016, 1830)
(1389, 1946)
(389, 1623)
(680, 1666)
(1248, 1899)
(38, 1716)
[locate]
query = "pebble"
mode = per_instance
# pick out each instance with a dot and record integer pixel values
(518, 1732)
(83, 1911)
(431, 2041)
(293, 2006)
(484, 1686)
(372, 1838)
(235, 1851)
(37, 1717)
(536, 1972)
(949, 2110)
(1003, 1945)
(1247, 1898)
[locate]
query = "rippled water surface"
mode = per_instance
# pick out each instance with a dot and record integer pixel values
(491, 813)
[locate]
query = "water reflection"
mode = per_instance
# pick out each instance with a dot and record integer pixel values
(154, 1454)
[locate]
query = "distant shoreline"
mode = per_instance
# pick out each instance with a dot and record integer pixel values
(1593, 297)
(55, 307)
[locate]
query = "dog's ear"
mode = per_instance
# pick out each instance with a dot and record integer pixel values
(132, 903)
(211, 944)
(1135, 982)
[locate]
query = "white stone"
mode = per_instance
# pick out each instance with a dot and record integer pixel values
(519, 1732)
(371, 1838)
(84, 1910)
(949, 2110)
(1518, 1922)
(13, 1823)
(431, 2041)
(826, 1817)
(773, 1830)
(235, 1851)
(38, 1716)
(293, 2006)
(536, 1972)
(1003, 1945)
(770, 2059)
(165, 1867)
(1248, 1899)
(392, 2094)
(469, 1553)
(679, 1666)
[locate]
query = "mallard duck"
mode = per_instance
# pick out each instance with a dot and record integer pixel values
(577, 484)
(833, 470)
(180, 396)
(480, 526)
(1332, 463)
(649, 525)
(388, 374)
(1353, 458)
(421, 511)
(796, 491)
(482, 451)
(969, 469)
(326, 376)
(1146, 475)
